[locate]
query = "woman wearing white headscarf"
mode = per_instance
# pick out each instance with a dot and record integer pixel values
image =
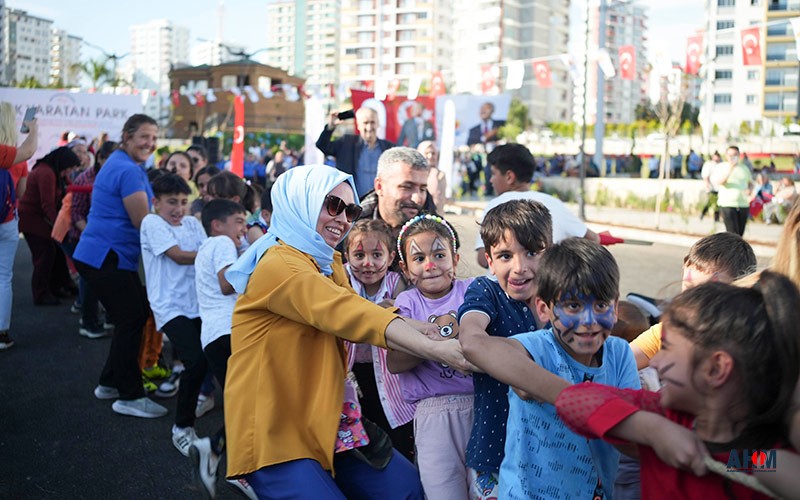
(284, 388)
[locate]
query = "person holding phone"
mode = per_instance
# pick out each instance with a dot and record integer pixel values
(356, 155)
(13, 182)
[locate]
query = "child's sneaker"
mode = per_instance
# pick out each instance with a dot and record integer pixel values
(149, 386)
(105, 392)
(204, 405)
(169, 387)
(205, 465)
(242, 486)
(183, 438)
(75, 308)
(156, 372)
(5, 341)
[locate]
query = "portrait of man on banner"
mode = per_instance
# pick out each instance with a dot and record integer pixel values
(417, 126)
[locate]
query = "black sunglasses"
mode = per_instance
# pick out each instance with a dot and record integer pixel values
(335, 205)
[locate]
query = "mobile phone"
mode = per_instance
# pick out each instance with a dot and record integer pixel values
(346, 115)
(30, 114)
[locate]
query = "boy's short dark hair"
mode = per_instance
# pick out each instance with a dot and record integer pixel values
(529, 221)
(170, 184)
(514, 157)
(266, 199)
(219, 209)
(577, 265)
(722, 253)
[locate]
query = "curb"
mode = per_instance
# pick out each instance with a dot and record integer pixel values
(664, 237)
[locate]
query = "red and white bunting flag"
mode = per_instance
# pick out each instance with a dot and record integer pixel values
(627, 62)
(694, 49)
(515, 75)
(176, 98)
(541, 69)
(201, 98)
(751, 46)
(237, 151)
(487, 80)
(437, 84)
(210, 97)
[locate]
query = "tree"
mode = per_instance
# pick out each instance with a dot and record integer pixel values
(517, 120)
(745, 129)
(29, 82)
(97, 71)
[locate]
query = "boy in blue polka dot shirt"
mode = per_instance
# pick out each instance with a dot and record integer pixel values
(515, 234)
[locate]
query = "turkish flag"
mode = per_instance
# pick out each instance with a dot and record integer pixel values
(437, 84)
(694, 47)
(627, 62)
(394, 86)
(487, 80)
(543, 76)
(176, 98)
(237, 152)
(751, 46)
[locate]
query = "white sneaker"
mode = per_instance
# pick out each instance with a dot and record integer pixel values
(204, 405)
(205, 465)
(105, 392)
(142, 407)
(242, 486)
(183, 438)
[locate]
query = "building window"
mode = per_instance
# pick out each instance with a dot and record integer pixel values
(726, 3)
(752, 74)
(722, 98)
(724, 50)
(723, 25)
(752, 99)
(725, 74)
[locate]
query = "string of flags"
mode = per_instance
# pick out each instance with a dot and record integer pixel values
(625, 66)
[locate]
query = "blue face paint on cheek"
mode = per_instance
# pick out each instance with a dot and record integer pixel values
(567, 319)
(586, 316)
(606, 319)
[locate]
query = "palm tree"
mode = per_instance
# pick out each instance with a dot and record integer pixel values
(97, 71)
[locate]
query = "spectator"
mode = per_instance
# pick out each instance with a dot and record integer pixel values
(38, 209)
(13, 182)
(357, 156)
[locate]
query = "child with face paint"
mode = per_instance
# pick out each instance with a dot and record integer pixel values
(728, 364)
(369, 248)
(428, 248)
(577, 292)
(720, 257)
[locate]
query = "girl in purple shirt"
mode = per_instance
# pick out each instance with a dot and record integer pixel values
(428, 246)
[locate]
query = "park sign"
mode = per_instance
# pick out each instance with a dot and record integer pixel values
(58, 111)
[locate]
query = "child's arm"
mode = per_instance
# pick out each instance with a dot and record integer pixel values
(399, 362)
(179, 256)
(224, 287)
(507, 360)
(646, 345)
(598, 411)
(784, 481)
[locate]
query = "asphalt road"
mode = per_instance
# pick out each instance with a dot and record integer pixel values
(58, 442)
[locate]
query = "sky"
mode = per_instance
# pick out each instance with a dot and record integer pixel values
(105, 22)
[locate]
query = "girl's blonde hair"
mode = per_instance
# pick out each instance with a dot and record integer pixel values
(787, 253)
(8, 125)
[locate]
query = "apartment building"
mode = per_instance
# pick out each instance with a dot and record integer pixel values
(26, 47)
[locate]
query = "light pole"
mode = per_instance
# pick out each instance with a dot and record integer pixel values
(582, 165)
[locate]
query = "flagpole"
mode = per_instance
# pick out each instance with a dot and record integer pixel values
(582, 166)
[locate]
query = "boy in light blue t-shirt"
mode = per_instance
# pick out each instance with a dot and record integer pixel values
(577, 292)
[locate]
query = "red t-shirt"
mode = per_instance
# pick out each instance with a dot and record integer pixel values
(591, 410)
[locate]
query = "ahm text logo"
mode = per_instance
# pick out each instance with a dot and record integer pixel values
(753, 460)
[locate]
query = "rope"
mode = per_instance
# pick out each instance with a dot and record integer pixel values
(739, 477)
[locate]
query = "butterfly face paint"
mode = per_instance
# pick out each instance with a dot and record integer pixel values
(582, 323)
(430, 264)
(369, 259)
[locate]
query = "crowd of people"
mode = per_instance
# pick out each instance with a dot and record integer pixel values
(355, 363)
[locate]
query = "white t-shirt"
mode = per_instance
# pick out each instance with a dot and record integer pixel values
(565, 223)
(170, 286)
(216, 309)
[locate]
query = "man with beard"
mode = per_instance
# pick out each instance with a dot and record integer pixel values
(401, 190)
